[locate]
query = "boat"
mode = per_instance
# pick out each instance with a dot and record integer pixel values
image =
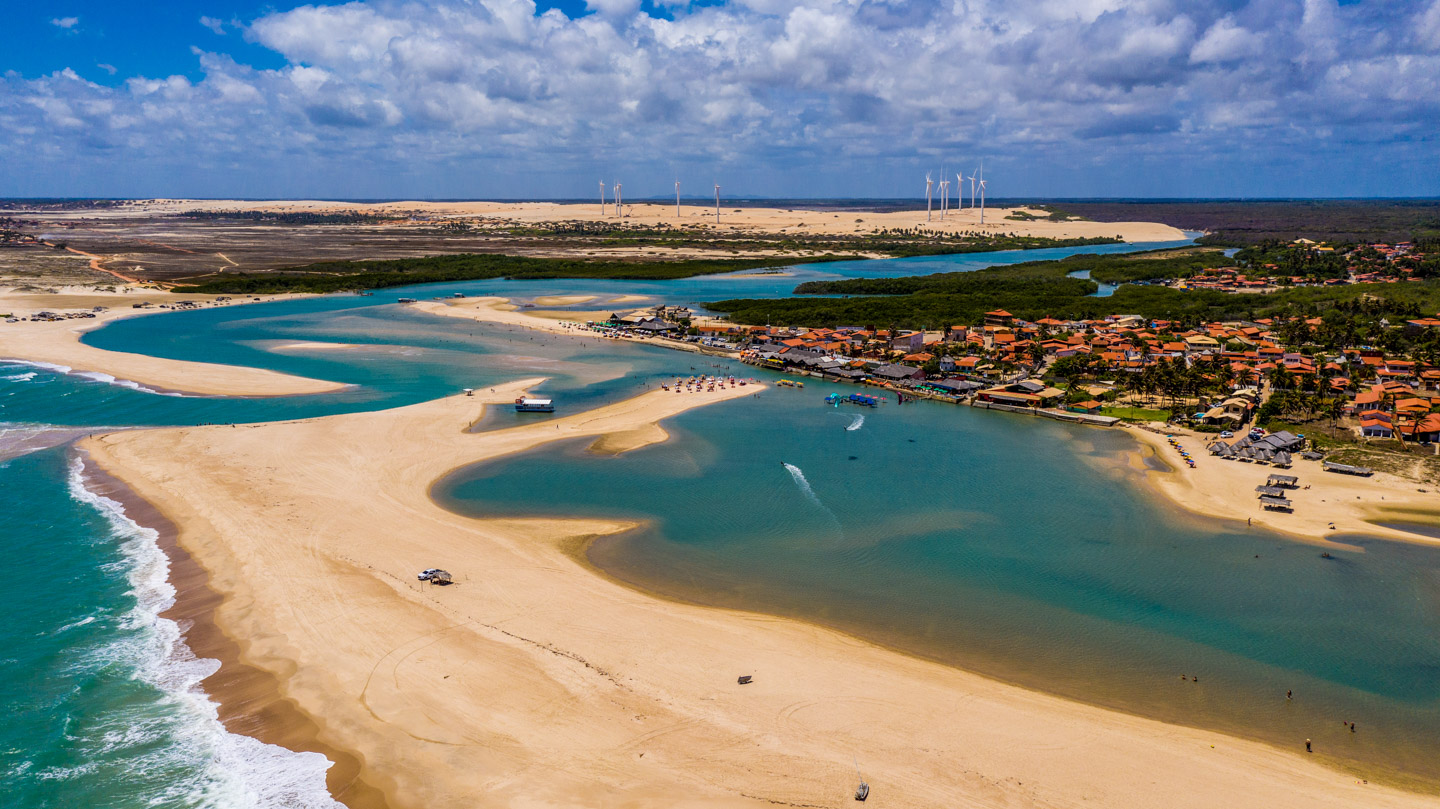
(409, 300)
(863, 791)
(527, 405)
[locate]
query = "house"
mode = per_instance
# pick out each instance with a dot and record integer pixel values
(1024, 394)
(1374, 424)
(1425, 430)
(896, 373)
(959, 387)
(999, 317)
(1090, 406)
(908, 342)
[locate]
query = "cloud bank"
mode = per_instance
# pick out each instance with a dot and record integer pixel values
(816, 97)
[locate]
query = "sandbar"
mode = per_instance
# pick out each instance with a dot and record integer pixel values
(57, 343)
(534, 681)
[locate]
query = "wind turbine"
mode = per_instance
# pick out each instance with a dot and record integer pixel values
(677, 199)
(960, 189)
(973, 178)
(618, 210)
(717, 203)
(602, 197)
(982, 194)
(928, 183)
(944, 197)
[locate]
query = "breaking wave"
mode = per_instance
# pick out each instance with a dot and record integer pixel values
(95, 376)
(182, 732)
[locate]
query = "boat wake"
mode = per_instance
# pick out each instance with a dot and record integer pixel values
(855, 425)
(809, 492)
(182, 732)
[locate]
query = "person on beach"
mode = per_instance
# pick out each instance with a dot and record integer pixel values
(1289, 694)
(1307, 746)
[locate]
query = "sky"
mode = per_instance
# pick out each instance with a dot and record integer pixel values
(483, 99)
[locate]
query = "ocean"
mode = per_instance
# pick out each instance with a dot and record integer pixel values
(1011, 546)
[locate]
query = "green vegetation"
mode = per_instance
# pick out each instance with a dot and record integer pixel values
(1143, 266)
(1035, 290)
(1052, 214)
(1136, 413)
(340, 276)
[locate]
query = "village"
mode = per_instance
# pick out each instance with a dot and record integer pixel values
(1304, 262)
(1212, 378)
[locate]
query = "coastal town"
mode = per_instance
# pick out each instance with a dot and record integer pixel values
(1212, 376)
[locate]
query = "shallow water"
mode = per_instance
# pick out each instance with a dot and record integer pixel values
(1005, 544)
(1019, 548)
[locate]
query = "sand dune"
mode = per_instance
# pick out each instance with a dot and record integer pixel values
(58, 343)
(535, 682)
(732, 220)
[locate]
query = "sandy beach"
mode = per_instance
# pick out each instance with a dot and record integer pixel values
(1226, 490)
(498, 310)
(536, 682)
(732, 220)
(57, 343)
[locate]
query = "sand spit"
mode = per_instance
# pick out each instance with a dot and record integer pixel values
(57, 343)
(1226, 489)
(535, 682)
(498, 310)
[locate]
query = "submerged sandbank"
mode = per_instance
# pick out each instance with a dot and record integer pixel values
(533, 680)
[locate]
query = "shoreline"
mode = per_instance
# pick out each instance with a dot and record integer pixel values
(1224, 490)
(251, 701)
(58, 344)
(598, 691)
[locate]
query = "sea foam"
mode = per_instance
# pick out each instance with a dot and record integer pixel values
(95, 376)
(229, 771)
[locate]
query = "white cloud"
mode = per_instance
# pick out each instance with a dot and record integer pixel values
(769, 83)
(67, 23)
(1225, 42)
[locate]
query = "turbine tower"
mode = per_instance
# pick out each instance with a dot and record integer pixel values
(960, 189)
(618, 210)
(717, 203)
(982, 195)
(928, 184)
(602, 197)
(944, 197)
(973, 178)
(677, 199)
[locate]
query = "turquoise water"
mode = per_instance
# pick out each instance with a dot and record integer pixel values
(1016, 547)
(1004, 544)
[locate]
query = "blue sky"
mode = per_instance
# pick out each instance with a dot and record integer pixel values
(504, 98)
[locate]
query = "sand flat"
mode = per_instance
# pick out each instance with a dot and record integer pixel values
(58, 343)
(534, 681)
